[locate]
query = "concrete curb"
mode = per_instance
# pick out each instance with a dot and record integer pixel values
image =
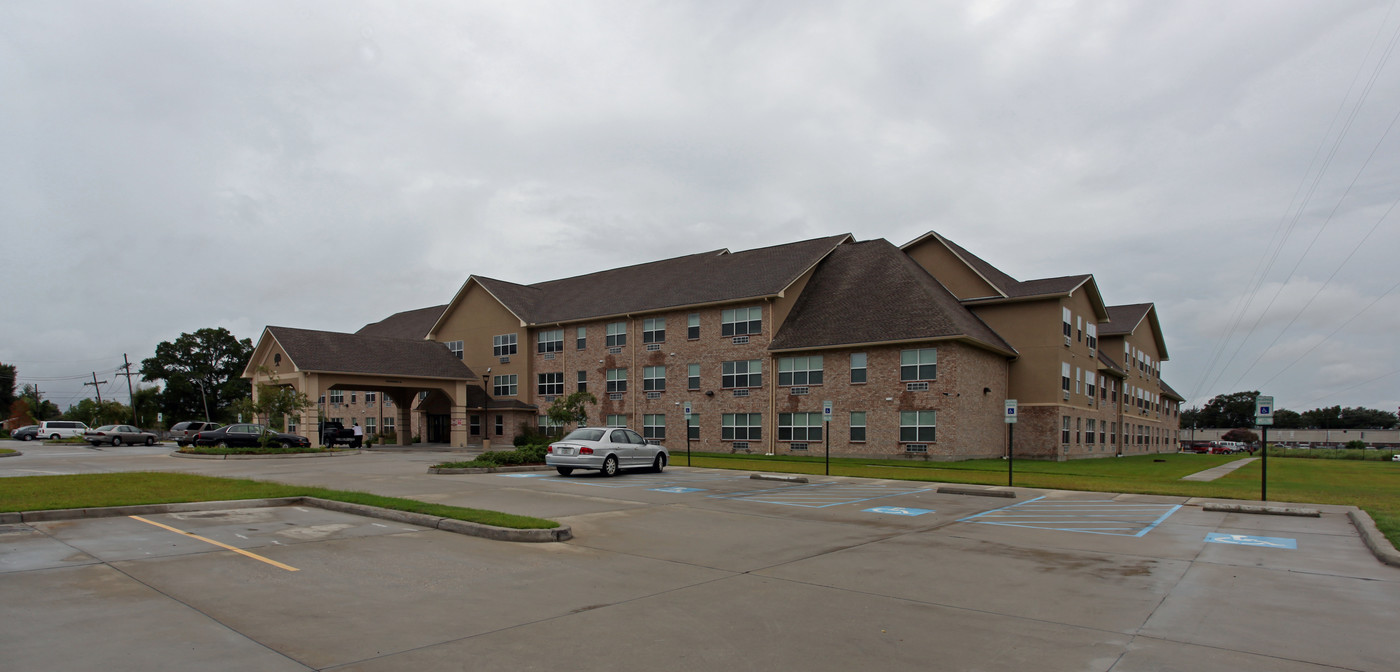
(1379, 545)
(979, 492)
(561, 533)
(786, 479)
(289, 456)
(1263, 510)
(489, 470)
(14, 454)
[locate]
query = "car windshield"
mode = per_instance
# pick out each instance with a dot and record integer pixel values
(106, 428)
(585, 435)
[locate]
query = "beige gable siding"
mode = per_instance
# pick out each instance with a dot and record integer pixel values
(475, 319)
(942, 264)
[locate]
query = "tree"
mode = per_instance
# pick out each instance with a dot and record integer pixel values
(40, 409)
(19, 410)
(275, 402)
(1227, 410)
(1286, 419)
(147, 403)
(7, 385)
(206, 365)
(94, 414)
(571, 409)
(1240, 435)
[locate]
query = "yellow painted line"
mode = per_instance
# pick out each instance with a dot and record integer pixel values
(239, 551)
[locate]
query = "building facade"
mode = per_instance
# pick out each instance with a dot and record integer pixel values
(915, 347)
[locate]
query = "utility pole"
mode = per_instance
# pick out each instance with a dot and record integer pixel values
(131, 395)
(95, 382)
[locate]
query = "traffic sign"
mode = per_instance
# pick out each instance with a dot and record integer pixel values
(687, 409)
(1010, 411)
(1263, 410)
(826, 411)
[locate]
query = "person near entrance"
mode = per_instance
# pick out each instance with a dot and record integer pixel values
(359, 436)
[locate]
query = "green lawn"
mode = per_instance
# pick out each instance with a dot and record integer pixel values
(39, 493)
(1373, 486)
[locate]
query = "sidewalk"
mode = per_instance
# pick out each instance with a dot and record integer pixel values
(1217, 472)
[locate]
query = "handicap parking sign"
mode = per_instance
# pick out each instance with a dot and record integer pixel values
(1249, 540)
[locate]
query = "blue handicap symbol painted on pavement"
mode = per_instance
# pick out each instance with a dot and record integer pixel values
(1248, 540)
(899, 511)
(677, 489)
(522, 475)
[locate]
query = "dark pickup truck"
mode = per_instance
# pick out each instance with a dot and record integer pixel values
(334, 433)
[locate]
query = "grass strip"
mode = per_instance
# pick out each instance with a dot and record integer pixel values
(78, 491)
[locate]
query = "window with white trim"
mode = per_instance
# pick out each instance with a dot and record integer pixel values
(551, 384)
(616, 421)
(1093, 336)
(858, 367)
(799, 426)
(617, 334)
(1078, 380)
(857, 426)
(693, 431)
(370, 397)
(504, 386)
(917, 426)
(1089, 384)
(921, 364)
(654, 426)
(741, 427)
(550, 340)
(1089, 431)
(654, 330)
(547, 424)
(1064, 429)
(581, 338)
(337, 396)
(741, 374)
(455, 347)
(1064, 376)
(692, 376)
(617, 380)
(1068, 328)
(503, 345)
(800, 370)
(741, 321)
(692, 326)
(369, 426)
(582, 381)
(388, 424)
(654, 378)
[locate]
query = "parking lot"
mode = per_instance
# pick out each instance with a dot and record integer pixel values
(691, 569)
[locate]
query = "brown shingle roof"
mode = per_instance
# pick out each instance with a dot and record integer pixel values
(709, 277)
(872, 292)
(1167, 391)
(408, 324)
(1107, 363)
(1123, 320)
(329, 351)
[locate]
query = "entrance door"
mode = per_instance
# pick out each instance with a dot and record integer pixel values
(439, 428)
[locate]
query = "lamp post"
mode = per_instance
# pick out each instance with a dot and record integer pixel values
(200, 383)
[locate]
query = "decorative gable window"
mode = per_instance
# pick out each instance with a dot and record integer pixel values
(550, 340)
(800, 371)
(741, 321)
(503, 345)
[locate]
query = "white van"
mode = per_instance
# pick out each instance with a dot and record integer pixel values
(61, 429)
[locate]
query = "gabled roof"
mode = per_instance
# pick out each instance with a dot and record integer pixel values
(871, 292)
(1167, 391)
(1125, 320)
(334, 352)
(1106, 363)
(408, 324)
(1010, 288)
(709, 277)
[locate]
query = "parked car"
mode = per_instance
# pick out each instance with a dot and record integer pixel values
(119, 434)
(244, 435)
(61, 429)
(334, 432)
(606, 449)
(25, 433)
(1395, 457)
(183, 432)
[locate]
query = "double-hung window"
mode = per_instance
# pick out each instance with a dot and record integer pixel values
(455, 347)
(551, 340)
(653, 378)
(505, 386)
(741, 374)
(921, 364)
(741, 321)
(654, 330)
(800, 371)
(917, 426)
(617, 334)
(692, 326)
(799, 426)
(692, 376)
(857, 425)
(581, 338)
(503, 345)
(1064, 376)
(654, 426)
(858, 367)
(617, 380)
(741, 427)
(551, 384)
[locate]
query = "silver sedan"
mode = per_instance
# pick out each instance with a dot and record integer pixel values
(117, 435)
(606, 449)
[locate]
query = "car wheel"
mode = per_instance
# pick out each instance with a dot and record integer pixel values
(286, 444)
(660, 463)
(221, 444)
(54, 437)
(610, 466)
(27, 437)
(150, 440)
(565, 471)
(116, 441)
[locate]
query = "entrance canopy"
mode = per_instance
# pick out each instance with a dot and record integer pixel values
(313, 362)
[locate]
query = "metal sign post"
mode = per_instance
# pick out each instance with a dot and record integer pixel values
(1010, 439)
(1263, 417)
(826, 433)
(687, 433)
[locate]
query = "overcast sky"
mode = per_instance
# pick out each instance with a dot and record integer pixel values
(168, 166)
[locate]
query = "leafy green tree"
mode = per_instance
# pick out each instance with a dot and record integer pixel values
(206, 365)
(1286, 419)
(1227, 410)
(40, 409)
(95, 414)
(274, 403)
(147, 403)
(1241, 435)
(571, 409)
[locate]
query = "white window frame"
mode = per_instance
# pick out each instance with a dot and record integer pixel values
(654, 379)
(741, 321)
(549, 340)
(504, 345)
(654, 330)
(919, 359)
(616, 335)
(731, 377)
(800, 427)
(801, 371)
(918, 422)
